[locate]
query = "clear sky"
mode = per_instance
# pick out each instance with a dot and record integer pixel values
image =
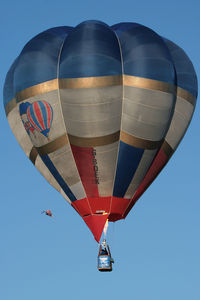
(157, 248)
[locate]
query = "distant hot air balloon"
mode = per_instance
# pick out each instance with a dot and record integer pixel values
(47, 212)
(121, 98)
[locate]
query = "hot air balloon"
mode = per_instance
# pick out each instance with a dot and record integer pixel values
(47, 212)
(115, 102)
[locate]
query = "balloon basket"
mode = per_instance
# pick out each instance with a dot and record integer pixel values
(104, 263)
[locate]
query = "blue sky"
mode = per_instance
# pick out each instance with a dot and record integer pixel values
(157, 248)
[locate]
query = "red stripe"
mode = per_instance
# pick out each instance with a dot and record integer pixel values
(158, 164)
(48, 110)
(87, 168)
(38, 114)
(31, 121)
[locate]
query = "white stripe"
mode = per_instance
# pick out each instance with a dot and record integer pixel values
(146, 113)
(106, 157)
(92, 112)
(64, 163)
(78, 190)
(91, 95)
(46, 173)
(180, 122)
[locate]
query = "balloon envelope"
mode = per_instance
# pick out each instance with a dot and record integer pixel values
(114, 102)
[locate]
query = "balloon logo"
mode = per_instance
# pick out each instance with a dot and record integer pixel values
(40, 116)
